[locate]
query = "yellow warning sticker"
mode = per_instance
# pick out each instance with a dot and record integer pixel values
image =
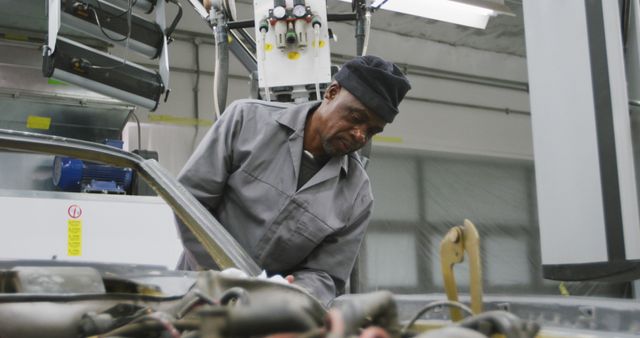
(74, 236)
(293, 55)
(315, 43)
(38, 122)
(388, 139)
(563, 289)
(268, 47)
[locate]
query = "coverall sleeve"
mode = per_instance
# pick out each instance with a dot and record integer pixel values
(205, 175)
(327, 268)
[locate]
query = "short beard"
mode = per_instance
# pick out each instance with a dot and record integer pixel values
(331, 151)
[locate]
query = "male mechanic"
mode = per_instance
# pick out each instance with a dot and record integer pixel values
(284, 179)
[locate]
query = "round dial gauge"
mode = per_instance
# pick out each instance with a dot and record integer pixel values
(299, 11)
(279, 12)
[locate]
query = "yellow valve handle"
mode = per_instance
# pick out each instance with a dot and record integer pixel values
(452, 247)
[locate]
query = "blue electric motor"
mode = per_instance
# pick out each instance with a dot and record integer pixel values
(71, 174)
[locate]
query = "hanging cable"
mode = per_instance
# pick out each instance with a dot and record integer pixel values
(126, 39)
(117, 15)
(367, 31)
(216, 74)
(169, 31)
(95, 15)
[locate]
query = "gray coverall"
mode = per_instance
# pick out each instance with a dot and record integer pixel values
(245, 171)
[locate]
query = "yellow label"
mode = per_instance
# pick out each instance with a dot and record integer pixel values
(315, 43)
(268, 47)
(563, 289)
(16, 37)
(388, 139)
(74, 237)
(38, 122)
(293, 55)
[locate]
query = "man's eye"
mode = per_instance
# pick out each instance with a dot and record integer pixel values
(356, 118)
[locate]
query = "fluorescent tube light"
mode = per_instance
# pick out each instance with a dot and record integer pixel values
(472, 13)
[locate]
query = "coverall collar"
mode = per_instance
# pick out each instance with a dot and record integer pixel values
(295, 117)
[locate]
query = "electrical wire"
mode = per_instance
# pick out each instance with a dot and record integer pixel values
(434, 305)
(126, 39)
(117, 15)
(169, 31)
(95, 15)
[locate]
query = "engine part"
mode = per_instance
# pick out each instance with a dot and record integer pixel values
(373, 309)
(70, 174)
(501, 322)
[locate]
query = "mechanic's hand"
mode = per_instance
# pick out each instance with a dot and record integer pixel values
(289, 279)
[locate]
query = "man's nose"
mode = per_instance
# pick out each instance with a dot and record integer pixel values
(359, 134)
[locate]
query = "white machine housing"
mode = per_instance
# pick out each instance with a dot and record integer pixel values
(305, 63)
(585, 175)
(109, 228)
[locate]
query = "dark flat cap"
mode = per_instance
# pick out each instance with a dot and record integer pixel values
(378, 84)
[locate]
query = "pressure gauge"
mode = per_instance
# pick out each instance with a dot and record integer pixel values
(299, 11)
(279, 12)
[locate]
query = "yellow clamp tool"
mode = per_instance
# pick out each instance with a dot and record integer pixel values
(458, 240)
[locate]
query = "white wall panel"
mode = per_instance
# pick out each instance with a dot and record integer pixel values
(432, 54)
(446, 128)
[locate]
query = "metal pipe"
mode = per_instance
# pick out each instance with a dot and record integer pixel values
(359, 27)
(410, 69)
(220, 81)
(196, 90)
(241, 24)
(470, 105)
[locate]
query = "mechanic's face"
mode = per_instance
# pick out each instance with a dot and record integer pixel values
(347, 123)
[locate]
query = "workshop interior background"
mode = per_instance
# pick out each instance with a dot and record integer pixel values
(460, 148)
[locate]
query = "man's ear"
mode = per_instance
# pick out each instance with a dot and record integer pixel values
(332, 90)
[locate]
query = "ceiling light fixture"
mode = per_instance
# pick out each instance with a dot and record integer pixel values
(471, 13)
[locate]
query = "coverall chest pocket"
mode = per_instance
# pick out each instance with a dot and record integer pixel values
(296, 237)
